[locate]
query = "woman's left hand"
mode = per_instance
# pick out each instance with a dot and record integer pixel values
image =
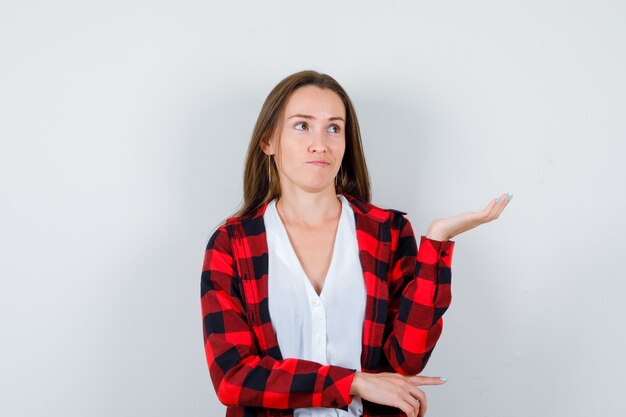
(449, 227)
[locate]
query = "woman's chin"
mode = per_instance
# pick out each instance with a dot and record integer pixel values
(316, 186)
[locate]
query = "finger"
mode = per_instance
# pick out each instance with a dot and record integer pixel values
(426, 380)
(489, 207)
(504, 200)
(502, 207)
(495, 209)
(413, 401)
(491, 210)
(408, 408)
(421, 397)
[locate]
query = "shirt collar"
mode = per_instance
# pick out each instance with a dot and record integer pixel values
(359, 206)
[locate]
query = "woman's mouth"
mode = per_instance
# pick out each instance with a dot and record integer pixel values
(320, 163)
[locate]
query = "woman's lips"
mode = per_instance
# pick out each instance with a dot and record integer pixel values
(320, 164)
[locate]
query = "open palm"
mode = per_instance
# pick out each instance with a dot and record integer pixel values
(449, 227)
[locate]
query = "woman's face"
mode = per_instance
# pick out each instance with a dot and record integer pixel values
(311, 129)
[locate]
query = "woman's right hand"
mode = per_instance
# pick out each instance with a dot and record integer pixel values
(449, 227)
(395, 390)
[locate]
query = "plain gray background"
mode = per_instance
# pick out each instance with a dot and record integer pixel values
(124, 127)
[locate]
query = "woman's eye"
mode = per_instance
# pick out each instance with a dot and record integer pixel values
(301, 123)
(336, 128)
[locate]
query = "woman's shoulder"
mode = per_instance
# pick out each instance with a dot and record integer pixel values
(374, 211)
(249, 224)
(369, 205)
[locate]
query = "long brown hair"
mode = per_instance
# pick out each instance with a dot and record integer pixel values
(353, 177)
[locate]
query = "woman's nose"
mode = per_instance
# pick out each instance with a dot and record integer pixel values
(318, 141)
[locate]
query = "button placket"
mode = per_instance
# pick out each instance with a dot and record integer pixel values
(319, 329)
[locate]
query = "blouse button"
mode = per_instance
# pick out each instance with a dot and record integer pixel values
(316, 302)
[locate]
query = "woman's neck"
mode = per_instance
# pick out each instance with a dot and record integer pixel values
(309, 209)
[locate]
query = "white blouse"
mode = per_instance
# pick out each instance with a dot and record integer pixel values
(327, 328)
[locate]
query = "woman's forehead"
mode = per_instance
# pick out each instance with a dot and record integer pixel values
(316, 102)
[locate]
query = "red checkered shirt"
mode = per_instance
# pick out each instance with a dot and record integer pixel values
(408, 291)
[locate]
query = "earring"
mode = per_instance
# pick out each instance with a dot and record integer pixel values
(269, 168)
(337, 176)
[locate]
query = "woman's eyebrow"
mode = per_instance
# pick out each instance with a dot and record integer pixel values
(306, 116)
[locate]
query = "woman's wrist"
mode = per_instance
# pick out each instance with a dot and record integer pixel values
(436, 234)
(354, 388)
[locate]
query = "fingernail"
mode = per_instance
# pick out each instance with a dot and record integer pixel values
(510, 197)
(497, 200)
(443, 378)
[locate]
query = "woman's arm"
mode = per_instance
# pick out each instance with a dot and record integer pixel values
(419, 295)
(240, 376)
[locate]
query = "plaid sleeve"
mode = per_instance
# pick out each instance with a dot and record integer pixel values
(240, 376)
(419, 295)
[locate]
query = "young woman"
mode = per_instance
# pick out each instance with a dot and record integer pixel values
(315, 301)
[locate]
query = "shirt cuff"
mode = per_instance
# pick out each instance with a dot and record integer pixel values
(435, 252)
(337, 385)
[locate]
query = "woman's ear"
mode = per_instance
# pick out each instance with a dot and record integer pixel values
(267, 146)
